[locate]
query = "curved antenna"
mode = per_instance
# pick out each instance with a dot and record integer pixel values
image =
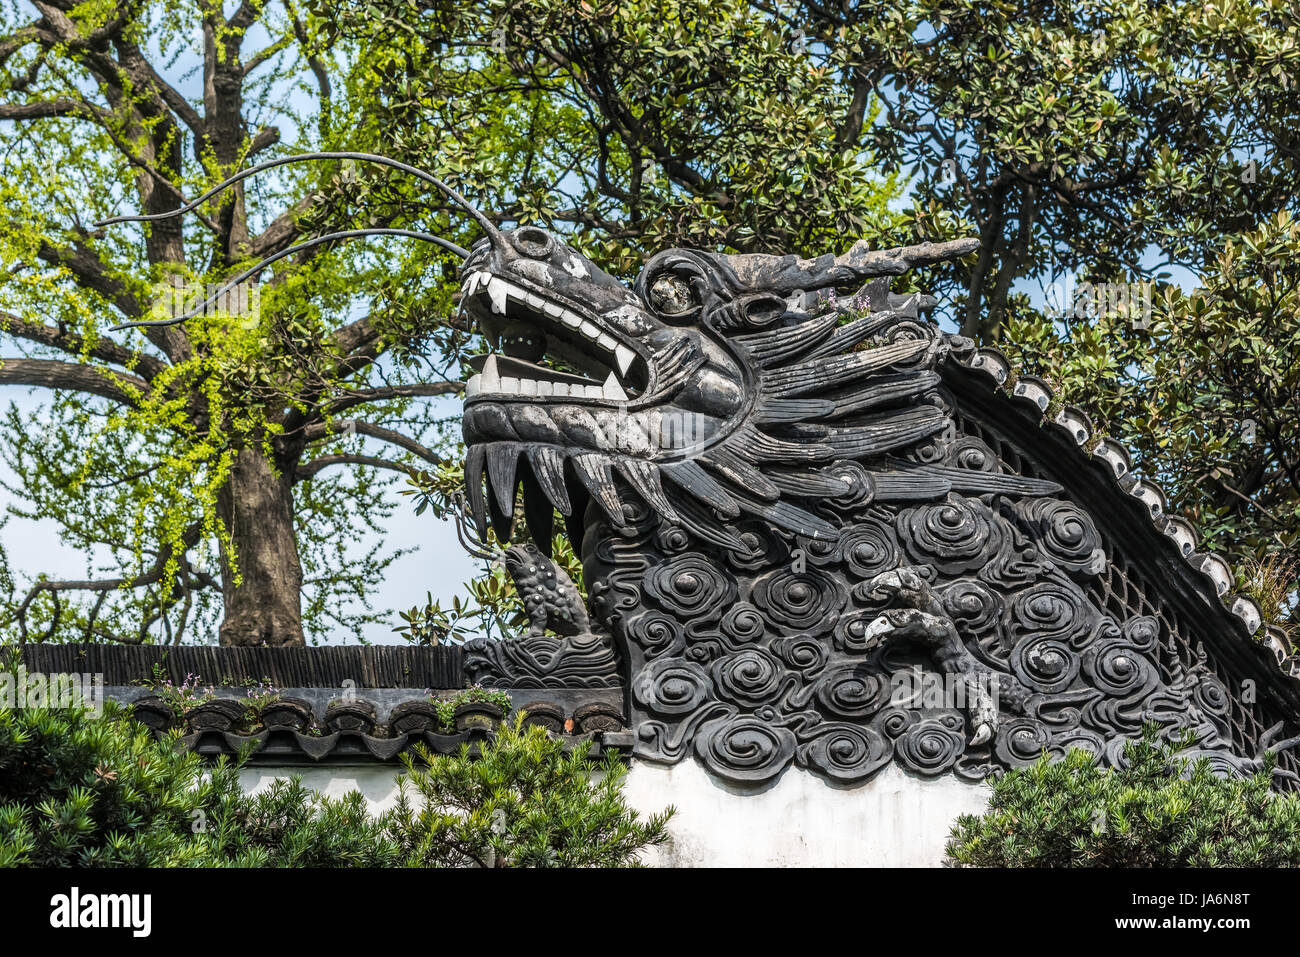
(468, 540)
(258, 267)
(493, 233)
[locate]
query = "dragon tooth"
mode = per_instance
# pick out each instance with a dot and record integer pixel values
(595, 471)
(544, 388)
(552, 309)
(534, 300)
(590, 330)
(570, 319)
(475, 458)
(559, 388)
(595, 392)
(502, 459)
(548, 467)
(624, 356)
(491, 379)
(497, 293)
(473, 385)
(527, 387)
(509, 384)
(539, 514)
(613, 390)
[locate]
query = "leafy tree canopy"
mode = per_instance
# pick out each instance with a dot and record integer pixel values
(221, 468)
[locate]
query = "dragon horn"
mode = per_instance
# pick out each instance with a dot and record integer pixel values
(786, 275)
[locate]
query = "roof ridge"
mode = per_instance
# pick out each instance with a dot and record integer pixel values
(1214, 569)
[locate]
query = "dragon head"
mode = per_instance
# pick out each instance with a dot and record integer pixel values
(710, 371)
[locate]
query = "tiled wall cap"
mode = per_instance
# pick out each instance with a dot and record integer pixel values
(1275, 641)
(1035, 390)
(1218, 571)
(1076, 422)
(1181, 531)
(1149, 494)
(1114, 455)
(994, 363)
(1247, 609)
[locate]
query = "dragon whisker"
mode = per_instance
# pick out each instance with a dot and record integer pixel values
(258, 267)
(488, 226)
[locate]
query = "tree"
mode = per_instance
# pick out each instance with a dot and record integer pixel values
(1160, 810)
(642, 123)
(194, 453)
(1205, 395)
(1099, 136)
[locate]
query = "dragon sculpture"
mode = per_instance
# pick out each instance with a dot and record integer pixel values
(793, 553)
(795, 550)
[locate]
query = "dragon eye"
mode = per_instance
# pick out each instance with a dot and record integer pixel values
(672, 296)
(533, 242)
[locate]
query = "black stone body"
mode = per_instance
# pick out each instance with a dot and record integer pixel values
(798, 551)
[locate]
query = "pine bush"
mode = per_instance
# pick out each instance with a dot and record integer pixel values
(1162, 810)
(80, 790)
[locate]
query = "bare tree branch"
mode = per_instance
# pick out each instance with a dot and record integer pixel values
(361, 397)
(318, 431)
(283, 229)
(309, 470)
(152, 575)
(74, 376)
(40, 109)
(106, 350)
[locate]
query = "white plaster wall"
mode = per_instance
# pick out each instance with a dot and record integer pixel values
(893, 820)
(377, 783)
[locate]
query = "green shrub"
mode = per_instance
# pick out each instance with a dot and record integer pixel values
(78, 790)
(288, 825)
(81, 791)
(525, 802)
(1162, 811)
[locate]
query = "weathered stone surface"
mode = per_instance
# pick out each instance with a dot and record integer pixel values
(798, 544)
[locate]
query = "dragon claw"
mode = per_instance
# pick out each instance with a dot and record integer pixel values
(982, 708)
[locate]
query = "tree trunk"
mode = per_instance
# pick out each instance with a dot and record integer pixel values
(265, 607)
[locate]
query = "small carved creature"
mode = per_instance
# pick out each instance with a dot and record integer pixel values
(550, 598)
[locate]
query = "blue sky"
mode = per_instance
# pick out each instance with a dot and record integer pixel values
(439, 565)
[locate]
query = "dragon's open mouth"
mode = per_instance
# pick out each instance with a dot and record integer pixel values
(527, 322)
